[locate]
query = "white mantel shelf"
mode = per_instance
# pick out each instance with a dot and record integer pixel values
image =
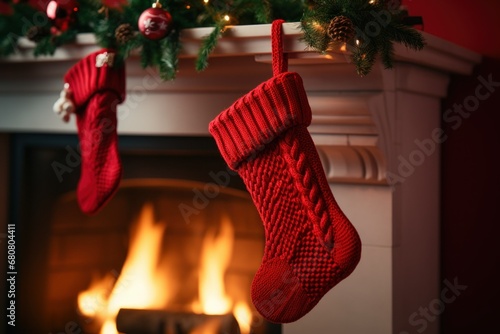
(363, 128)
(255, 40)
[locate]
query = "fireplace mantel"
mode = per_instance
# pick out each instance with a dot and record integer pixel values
(356, 113)
(370, 132)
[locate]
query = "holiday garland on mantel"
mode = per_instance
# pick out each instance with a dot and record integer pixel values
(364, 29)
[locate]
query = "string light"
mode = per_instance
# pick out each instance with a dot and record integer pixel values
(227, 18)
(317, 26)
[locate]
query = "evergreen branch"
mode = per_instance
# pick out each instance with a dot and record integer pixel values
(8, 44)
(14, 26)
(48, 45)
(208, 44)
(146, 53)
(263, 11)
(44, 47)
(314, 34)
(405, 35)
(364, 58)
(123, 52)
(387, 54)
(170, 56)
(315, 17)
(125, 49)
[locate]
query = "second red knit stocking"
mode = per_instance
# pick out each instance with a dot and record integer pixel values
(97, 88)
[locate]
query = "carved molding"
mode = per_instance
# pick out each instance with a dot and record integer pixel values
(352, 164)
(346, 137)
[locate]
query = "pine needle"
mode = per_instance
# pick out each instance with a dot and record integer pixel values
(208, 44)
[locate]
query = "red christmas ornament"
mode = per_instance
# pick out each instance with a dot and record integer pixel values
(155, 23)
(62, 13)
(6, 9)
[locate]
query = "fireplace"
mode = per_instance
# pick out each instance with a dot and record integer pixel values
(367, 132)
(181, 236)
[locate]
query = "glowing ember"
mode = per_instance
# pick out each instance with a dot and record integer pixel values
(208, 327)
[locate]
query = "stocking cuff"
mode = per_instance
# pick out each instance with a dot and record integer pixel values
(260, 116)
(95, 73)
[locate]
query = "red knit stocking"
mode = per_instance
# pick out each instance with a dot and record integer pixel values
(97, 88)
(310, 244)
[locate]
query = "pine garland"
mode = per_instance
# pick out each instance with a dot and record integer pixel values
(378, 24)
(377, 27)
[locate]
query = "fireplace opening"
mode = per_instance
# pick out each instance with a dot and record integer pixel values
(174, 251)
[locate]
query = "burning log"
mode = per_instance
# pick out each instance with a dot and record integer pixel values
(135, 321)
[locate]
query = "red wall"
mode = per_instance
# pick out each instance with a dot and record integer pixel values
(472, 24)
(470, 167)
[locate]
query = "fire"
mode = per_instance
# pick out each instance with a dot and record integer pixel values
(93, 300)
(215, 256)
(243, 315)
(142, 285)
(139, 284)
(109, 327)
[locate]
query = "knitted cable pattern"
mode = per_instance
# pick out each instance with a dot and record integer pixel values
(311, 194)
(329, 224)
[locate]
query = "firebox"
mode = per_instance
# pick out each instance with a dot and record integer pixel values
(174, 251)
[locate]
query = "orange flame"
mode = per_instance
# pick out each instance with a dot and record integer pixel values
(215, 256)
(140, 285)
